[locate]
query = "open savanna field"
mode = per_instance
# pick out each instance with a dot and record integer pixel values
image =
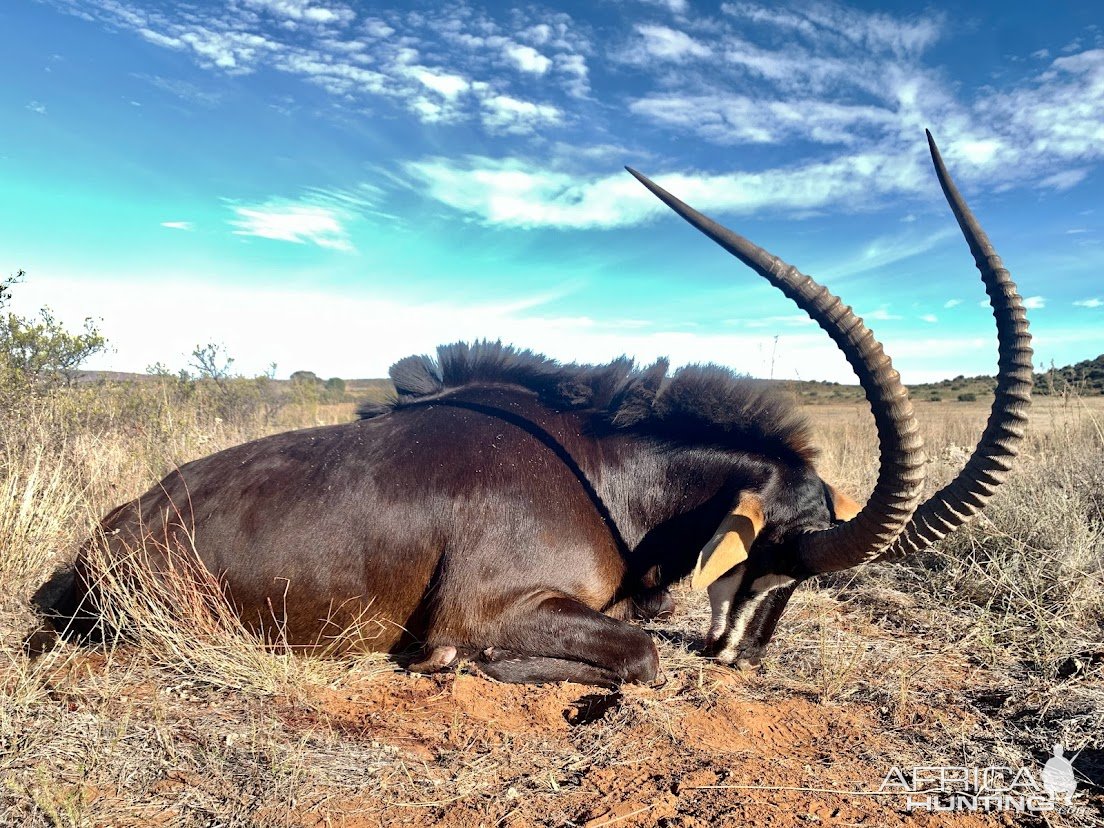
(983, 652)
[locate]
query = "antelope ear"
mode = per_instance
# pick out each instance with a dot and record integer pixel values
(843, 507)
(730, 545)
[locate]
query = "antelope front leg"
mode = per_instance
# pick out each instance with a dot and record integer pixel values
(561, 639)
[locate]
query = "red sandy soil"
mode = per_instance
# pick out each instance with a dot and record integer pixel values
(648, 757)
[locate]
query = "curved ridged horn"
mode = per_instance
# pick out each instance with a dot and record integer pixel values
(966, 495)
(901, 473)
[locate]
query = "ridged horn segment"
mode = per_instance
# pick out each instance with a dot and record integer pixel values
(901, 473)
(966, 495)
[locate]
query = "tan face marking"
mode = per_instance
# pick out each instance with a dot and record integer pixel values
(731, 543)
(843, 507)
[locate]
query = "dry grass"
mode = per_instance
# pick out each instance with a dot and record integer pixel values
(987, 649)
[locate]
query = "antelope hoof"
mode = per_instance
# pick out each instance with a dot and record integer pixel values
(439, 658)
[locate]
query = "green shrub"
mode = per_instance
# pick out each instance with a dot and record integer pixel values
(38, 352)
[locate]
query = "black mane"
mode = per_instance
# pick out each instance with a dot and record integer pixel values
(697, 405)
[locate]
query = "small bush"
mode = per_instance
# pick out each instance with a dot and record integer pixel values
(967, 396)
(39, 352)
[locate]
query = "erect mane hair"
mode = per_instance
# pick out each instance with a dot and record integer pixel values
(705, 405)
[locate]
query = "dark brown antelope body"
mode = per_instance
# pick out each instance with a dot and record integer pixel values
(519, 512)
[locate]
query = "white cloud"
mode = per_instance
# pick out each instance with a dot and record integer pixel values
(863, 84)
(577, 80)
(37, 107)
(503, 113)
(831, 24)
(1034, 302)
(792, 320)
(979, 152)
(882, 314)
(519, 193)
(445, 84)
(952, 303)
(540, 34)
(1054, 118)
(884, 251)
(1089, 303)
(177, 225)
(731, 119)
(296, 222)
(234, 51)
(185, 90)
(159, 39)
(527, 59)
(1065, 179)
(930, 318)
(670, 44)
(337, 77)
(304, 10)
(673, 6)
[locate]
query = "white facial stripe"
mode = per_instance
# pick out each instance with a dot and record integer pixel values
(736, 633)
(721, 593)
(761, 588)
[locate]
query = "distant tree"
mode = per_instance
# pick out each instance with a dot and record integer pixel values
(39, 350)
(212, 362)
(308, 377)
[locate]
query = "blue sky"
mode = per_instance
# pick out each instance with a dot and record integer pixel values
(334, 185)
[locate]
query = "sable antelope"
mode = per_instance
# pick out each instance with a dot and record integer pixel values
(517, 512)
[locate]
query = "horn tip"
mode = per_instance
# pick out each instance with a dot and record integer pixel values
(639, 176)
(937, 157)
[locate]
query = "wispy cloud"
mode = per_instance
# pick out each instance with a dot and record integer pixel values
(300, 223)
(177, 225)
(673, 6)
(185, 90)
(826, 24)
(445, 67)
(304, 10)
(665, 43)
(884, 251)
(859, 86)
(528, 59)
(790, 320)
(1034, 302)
(37, 107)
(739, 119)
(502, 113)
(952, 303)
(930, 318)
(1065, 179)
(519, 193)
(1089, 303)
(882, 314)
